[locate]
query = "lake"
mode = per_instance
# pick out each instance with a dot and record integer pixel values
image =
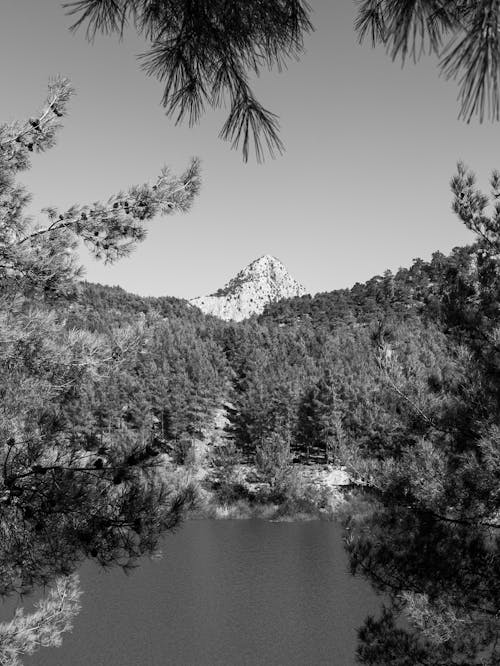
(225, 593)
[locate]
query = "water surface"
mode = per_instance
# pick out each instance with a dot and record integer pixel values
(225, 593)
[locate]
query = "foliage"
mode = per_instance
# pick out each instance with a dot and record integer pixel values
(397, 378)
(463, 33)
(272, 457)
(426, 531)
(205, 53)
(77, 480)
(382, 642)
(224, 460)
(320, 420)
(44, 627)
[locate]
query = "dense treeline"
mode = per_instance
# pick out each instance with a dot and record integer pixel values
(410, 291)
(307, 377)
(177, 375)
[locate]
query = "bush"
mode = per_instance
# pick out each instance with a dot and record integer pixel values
(273, 460)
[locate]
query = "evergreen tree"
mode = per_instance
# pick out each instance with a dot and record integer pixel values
(320, 420)
(273, 459)
(423, 525)
(76, 480)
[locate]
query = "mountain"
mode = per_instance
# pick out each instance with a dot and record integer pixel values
(263, 281)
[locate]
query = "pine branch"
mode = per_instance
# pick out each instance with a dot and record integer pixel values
(471, 54)
(474, 59)
(205, 52)
(38, 133)
(111, 230)
(44, 627)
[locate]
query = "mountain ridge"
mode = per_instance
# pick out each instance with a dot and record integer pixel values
(265, 280)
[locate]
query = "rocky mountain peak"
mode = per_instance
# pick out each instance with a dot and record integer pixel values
(263, 281)
(266, 261)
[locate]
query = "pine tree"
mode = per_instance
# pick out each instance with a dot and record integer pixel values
(320, 420)
(76, 481)
(424, 523)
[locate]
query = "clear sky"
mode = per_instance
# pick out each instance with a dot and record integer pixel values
(362, 187)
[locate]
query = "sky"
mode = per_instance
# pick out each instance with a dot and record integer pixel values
(362, 187)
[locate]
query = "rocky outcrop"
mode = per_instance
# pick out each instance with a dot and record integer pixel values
(263, 281)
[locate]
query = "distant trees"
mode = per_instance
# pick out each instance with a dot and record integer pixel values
(269, 370)
(319, 422)
(315, 382)
(184, 377)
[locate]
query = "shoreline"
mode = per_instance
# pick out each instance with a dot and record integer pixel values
(314, 492)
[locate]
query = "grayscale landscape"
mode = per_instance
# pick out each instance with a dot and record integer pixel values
(249, 333)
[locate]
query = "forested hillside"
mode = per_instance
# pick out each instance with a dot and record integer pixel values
(304, 379)
(177, 374)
